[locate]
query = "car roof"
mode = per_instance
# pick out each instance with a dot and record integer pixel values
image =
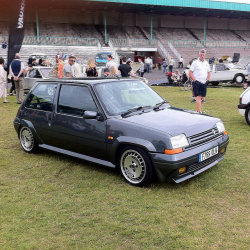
(85, 80)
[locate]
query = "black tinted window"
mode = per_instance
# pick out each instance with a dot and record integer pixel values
(42, 97)
(75, 100)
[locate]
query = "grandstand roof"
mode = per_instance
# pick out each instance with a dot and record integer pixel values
(218, 8)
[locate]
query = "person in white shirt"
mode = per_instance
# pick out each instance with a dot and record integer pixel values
(200, 73)
(3, 81)
(148, 62)
(111, 63)
(180, 63)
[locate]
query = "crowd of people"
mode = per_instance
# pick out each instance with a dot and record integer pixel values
(68, 67)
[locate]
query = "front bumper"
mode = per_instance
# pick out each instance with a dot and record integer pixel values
(242, 109)
(167, 166)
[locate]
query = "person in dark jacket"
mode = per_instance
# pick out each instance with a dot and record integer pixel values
(91, 69)
(17, 72)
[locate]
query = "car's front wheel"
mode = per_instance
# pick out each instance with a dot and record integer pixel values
(136, 167)
(239, 78)
(27, 140)
(247, 115)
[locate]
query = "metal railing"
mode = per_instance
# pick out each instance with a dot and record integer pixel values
(50, 40)
(209, 44)
(119, 43)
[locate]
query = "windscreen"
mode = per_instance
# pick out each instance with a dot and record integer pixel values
(119, 96)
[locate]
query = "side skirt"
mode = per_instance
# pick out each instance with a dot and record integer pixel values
(80, 156)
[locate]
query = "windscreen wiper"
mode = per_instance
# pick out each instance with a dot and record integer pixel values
(157, 106)
(136, 108)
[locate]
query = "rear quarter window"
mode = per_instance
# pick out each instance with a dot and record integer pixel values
(42, 97)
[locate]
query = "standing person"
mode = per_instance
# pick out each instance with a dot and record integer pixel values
(111, 62)
(77, 69)
(17, 72)
(3, 81)
(125, 68)
(91, 68)
(248, 76)
(180, 63)
(159, 60)
(142, 67)
(164, 65)
(200, 73)
(68, 70)
(171, 64)
(148, 64)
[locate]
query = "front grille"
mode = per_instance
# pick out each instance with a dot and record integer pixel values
(202, 138)
(199, 165)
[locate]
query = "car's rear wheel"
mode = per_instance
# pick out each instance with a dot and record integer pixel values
(27, 140)
(136, 166)
(247, 115)
(215, 83)
(239, 78)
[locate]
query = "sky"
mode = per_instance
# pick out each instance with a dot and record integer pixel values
(234, 1)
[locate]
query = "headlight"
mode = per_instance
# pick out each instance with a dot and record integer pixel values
(220, 126)
(179, 141)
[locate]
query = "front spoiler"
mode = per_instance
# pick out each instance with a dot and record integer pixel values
(186, 177)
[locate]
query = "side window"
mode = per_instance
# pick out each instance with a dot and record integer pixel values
(220, 67)
(35, 74)
(74, 100)
(42, 97)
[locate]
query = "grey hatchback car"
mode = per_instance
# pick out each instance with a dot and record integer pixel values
(122, 124)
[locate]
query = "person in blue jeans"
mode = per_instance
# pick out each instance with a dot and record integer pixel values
(164, 65)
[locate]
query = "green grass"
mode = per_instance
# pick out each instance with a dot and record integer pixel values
(50, 201)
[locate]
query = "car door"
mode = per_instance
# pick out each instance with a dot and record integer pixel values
(221, 73)
(32, 76)
(71, 130)
(39, 107)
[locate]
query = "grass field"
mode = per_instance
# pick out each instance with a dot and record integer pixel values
(50, 201)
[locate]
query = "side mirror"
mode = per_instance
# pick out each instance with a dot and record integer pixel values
(90, 115)
(93, 115)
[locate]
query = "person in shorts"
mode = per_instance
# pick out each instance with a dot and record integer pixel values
(200, 73)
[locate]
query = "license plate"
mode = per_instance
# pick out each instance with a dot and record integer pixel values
(207, 154)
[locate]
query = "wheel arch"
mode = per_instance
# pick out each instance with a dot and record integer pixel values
(124, 141)
(29, 124)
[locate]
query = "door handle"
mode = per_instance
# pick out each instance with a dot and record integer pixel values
(49, 119)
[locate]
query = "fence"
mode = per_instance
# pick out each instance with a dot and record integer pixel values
(59, 41)
(120, 43)
(209, 44)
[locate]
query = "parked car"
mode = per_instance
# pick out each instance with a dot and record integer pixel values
(244, 105)
(224, 72)
(101, 58)
(122, 124)
(35, 74)
(227, 72)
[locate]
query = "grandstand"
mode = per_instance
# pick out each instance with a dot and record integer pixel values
(84, 28)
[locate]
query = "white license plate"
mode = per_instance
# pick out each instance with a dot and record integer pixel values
(207, 154)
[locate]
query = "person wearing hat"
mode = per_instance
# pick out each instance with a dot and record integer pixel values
(200, 73)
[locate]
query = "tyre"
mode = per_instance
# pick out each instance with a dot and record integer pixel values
(239, 78)
(247, 115)
(215, 83)
(27, 140)
(136, 167)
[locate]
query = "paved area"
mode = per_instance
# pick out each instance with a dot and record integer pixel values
(156, 76)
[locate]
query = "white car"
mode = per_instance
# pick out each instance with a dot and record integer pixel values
(244, 105)
(227, 72)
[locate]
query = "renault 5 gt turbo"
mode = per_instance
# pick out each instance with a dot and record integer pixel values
(122, 124)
